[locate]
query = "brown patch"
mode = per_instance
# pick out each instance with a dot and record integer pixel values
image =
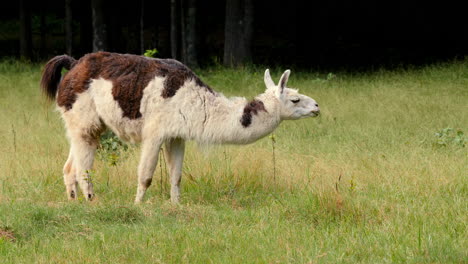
(252, 107)
(74, 82)
(130, 74)
(176, 75)
(147, 182)
(91, 135)
(7, 234)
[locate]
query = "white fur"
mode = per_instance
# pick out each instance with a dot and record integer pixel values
(193, 113)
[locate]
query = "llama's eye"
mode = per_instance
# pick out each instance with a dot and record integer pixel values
(295, 100)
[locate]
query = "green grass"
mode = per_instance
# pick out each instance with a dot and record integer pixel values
(367, 182)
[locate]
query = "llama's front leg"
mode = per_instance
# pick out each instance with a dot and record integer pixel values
(69, 177)
(175, 156)
(83, 157)
(148, 161)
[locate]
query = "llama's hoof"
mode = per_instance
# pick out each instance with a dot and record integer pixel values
(71, 195)
(90, 197)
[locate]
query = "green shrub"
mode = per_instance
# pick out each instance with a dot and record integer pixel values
(111, 148)
(151, 53)
(449, 136)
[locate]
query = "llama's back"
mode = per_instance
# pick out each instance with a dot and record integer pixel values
(126, 91)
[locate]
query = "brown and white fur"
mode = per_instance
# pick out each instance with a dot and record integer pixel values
(156, 102)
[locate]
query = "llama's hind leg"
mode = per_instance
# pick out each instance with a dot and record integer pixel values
(83, 158)
(148, 161)
(69, 177)
(175, 149)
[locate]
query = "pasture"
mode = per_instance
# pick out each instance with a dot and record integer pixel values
(369, 181)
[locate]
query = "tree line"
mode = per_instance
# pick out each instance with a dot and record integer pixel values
(238, 29)
(318, 34)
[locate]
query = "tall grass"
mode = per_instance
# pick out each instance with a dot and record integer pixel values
(365, 182)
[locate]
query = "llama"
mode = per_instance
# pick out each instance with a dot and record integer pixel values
(155, 102)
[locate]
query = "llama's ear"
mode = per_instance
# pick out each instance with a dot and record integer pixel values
(268, 81)
(283, 81)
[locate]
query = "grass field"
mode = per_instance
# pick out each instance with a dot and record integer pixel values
(367, 182)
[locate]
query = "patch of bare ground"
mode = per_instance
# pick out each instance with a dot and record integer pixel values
(7, 234)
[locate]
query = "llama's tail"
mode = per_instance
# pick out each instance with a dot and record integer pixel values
(52, 74)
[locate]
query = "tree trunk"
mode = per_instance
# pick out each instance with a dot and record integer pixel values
(183, 32)
(142, 27)
(231, 32)
(99, 27)
(238, 32)
(114, 33)
(174, 47)
(155, 37)
(42, 32)
(68, 27)
(25, 30)
(246, 53)
(191, 33)
(86, 30)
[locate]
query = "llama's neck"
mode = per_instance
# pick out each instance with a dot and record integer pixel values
(228, 120)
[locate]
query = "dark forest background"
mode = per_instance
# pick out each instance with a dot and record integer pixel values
(307, 34)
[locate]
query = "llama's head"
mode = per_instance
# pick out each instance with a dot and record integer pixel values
(293, 105)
